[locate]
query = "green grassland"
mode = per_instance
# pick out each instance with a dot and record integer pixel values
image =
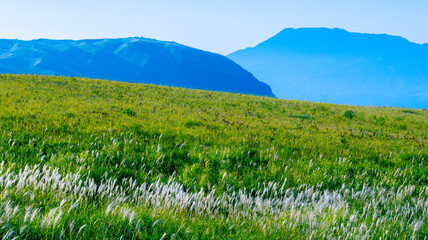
(85, 159)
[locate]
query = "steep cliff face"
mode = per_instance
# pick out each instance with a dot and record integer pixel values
(139, 60)
(336, 66)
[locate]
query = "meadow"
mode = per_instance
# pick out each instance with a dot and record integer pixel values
(86, 159)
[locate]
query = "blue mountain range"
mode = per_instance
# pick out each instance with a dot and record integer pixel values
(336, 66)
(139, 60)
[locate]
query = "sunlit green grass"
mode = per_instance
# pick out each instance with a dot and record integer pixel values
(217, 145)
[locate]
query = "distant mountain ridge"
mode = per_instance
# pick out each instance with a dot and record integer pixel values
(336, 66)
(134, 59)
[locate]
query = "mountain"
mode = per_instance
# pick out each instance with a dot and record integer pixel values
(135, 59)
(336, 66)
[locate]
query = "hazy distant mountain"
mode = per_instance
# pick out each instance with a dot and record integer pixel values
(131, 60)
(336, 66)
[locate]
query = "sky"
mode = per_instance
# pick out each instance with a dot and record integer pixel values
(221, 26)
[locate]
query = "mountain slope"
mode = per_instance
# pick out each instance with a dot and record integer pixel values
(91, 159)
(336, 66)
(139, 60)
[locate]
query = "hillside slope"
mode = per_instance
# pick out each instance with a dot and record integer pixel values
(139, 60)
(92, 159)
(336, 66)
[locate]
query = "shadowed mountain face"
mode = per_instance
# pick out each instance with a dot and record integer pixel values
(336, 66)
(130, 60)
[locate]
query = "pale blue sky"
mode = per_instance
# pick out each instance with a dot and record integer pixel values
(221, 26)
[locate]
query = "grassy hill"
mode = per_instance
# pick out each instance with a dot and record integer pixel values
(84, 159)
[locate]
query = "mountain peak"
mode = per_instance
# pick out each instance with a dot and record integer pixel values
(330, 38)
(337, 66)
